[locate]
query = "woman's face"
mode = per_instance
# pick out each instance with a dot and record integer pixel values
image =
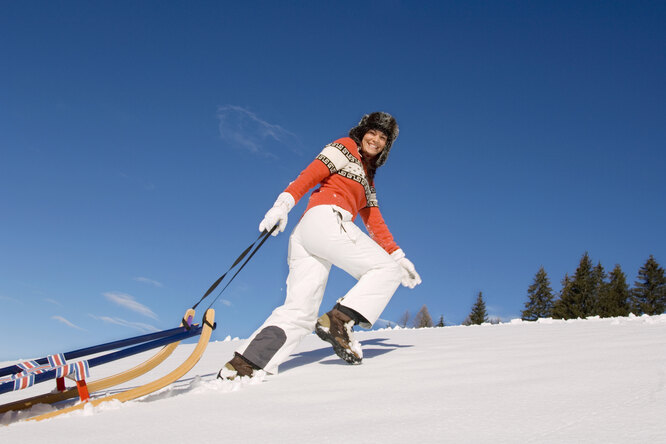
(373, 143)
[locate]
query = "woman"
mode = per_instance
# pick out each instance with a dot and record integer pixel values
(326, 235)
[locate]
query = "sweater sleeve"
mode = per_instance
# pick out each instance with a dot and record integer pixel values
(328, 162)
(309, 177)
(379, 232)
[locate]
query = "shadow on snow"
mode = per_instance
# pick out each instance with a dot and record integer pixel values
(381, 346)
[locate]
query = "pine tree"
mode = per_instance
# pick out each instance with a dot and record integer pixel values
(441, 321)
(558, 306)
(540, 302)
(422, 318)
(479, 315)
(578, 296)
(598, 286)
(649, 292)
(614, 296)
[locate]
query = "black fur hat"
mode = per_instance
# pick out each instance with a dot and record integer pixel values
(381, 121)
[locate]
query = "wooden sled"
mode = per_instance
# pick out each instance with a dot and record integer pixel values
(208, 324)
(169, 340)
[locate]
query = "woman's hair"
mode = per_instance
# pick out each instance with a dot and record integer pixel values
(370, 167)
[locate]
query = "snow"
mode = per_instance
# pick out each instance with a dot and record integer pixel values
(594, 380)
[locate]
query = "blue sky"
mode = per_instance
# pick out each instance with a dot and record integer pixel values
(142, 142)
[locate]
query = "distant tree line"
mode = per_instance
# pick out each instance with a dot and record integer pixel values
(421, 320)
(593, 292)
(589, 292)
(478, 315)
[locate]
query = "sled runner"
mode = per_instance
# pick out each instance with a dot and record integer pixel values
(59, 366)
(207, 328)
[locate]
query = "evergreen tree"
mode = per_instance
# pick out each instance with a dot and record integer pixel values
(479, 315)
(598, 286)
(441, 321)
(422, 318)
(540, 302)
(614, 296)
(649, 292)
(578, 296)
(558, 306)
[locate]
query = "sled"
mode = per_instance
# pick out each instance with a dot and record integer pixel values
(26, 374)
(41, 370)
(137, 392)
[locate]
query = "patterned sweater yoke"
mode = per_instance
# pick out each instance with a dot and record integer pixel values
(339, 171)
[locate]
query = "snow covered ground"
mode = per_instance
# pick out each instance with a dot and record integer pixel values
(595, 380)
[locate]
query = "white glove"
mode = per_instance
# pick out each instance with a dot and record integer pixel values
(278, 214)
(410, 278)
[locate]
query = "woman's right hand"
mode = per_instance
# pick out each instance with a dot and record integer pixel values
(277, 215)
(410, 278)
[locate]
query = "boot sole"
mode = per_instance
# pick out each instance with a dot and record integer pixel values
(343, 352)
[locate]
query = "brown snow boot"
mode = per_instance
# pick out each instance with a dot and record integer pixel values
(335, 327)
(238, 366)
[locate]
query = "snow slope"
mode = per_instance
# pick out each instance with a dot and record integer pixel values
(595, 380)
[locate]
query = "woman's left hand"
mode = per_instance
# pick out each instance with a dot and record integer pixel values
(277, 215)
(410, 278)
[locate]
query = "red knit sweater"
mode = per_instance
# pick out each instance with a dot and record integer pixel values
(339, 170)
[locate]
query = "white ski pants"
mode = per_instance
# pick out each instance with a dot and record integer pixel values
(325, 236)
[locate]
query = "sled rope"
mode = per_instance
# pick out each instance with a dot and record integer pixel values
(251, 250)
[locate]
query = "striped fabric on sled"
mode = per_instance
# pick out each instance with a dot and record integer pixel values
(32, 367)
(27, 368)
(57, 360)
(77, 371)
(24, 382)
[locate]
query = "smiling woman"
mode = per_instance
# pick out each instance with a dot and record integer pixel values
(139, 138)
(326, 236)
(373, 143)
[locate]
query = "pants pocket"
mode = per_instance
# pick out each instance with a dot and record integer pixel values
(347, 227)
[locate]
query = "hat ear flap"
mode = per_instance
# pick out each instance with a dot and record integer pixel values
(357, 134)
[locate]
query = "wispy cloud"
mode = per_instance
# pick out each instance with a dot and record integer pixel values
(67, 322)
(243, 129)
(139, 183)
(7, 298)
(225, 302)
(140, 326)
(149, 281)
(52, 301)
(127, 301)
